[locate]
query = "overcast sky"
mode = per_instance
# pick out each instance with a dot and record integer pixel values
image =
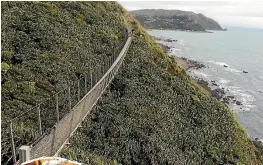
(245, 13)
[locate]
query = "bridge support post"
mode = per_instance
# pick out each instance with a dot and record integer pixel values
(24, 154)
(39, 120)
(95, 78)
(69, 99)
(91, 79)
(78, 89)
(103, 67)
(109, 63)
(106, 64)
(54, 129)
(86, 90)
(57, 110)
(12, 143)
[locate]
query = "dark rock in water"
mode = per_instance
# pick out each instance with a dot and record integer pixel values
(226, 100)
(238, 103)
(245, 72)
(214, 84)
(225, 66)
(217, 93)
(165, 47)
(213, 81)
(164, 39)
(230, 97)
(183, 58)
(260, 91)
(192, 64)
(169, 40)
(197, 65)
(258, 143)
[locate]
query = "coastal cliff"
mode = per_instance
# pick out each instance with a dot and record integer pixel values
(175, 20)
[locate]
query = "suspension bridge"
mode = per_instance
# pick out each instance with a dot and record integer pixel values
(56, 119)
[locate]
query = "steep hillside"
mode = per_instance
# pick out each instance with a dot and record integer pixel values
(152, 113)
(46, 46)
(175, 20)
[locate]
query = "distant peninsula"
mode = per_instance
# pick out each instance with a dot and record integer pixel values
(175, 20)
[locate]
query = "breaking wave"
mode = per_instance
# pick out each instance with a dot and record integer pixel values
(228, 68)
(218, 63)
(223, 81)
(246, 99)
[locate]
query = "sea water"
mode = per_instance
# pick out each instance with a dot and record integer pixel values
(226, 55)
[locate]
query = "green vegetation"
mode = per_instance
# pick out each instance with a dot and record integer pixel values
(48, 43)
(77, 153)
(175, 20)
(45, 46)
(155, 114)
(5, 67)
(152, 113)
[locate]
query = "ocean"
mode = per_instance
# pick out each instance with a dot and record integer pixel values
(226, 54)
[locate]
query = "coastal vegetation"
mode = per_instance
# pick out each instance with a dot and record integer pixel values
(152, 112)
(45, 47)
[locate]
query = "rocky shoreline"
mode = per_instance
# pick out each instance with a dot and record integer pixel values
(187, 64)
(212, 87)
(217, 92)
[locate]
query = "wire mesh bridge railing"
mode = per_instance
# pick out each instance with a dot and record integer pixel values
(48, 126)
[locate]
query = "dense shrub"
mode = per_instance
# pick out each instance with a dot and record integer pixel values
(45, 45)
(43, 39)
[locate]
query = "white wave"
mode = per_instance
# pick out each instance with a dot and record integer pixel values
(218, 63)
(181, 42)
(175, 50)
(249, 105)
(233, 70)
(204, 75)
(223, 81)
(201, 74)
(234, 87)
(260, 78)
(228, 68)
(246, 99)
(246, 109)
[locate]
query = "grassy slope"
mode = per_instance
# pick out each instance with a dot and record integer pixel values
(152, 112)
